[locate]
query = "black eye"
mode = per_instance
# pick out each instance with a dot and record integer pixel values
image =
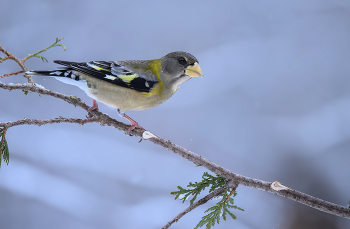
(182, 60)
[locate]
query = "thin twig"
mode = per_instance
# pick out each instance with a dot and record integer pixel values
(195, 158)
(229, 195)
(5, 58)
(18, 61)
(45, 49)
(12, 57)
(202, 201)
(10, 74)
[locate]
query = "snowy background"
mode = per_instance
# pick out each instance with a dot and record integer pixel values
(274, 104)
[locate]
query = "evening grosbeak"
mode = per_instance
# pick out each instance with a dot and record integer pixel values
(129, 84)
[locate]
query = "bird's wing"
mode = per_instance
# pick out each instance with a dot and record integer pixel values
(111, 72)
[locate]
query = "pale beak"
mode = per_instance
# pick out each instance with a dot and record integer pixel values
(194, 70)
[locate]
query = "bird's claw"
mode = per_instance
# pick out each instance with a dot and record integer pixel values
(93, 107)
(133, 126)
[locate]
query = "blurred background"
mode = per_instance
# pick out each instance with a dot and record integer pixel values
(274, 104)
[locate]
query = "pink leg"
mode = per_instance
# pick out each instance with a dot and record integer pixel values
(93, 107)
(134, 124)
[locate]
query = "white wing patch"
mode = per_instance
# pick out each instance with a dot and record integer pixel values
(57, 73)
(110, 77)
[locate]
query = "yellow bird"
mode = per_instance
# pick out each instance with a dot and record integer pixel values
(129, 84)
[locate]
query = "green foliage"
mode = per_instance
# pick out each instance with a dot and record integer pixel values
(42, 58)
(45, 49)
(208, 180)
(221, 209)
(4, 149)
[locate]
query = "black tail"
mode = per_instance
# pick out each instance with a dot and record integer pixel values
(56, 73)
(64, 72)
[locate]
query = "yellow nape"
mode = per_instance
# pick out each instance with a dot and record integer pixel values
(155, 66)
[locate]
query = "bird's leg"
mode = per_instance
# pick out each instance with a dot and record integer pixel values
(93, 107)
(134, 124)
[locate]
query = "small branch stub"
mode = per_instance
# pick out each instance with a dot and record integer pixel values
(277, 186)
(147, 135)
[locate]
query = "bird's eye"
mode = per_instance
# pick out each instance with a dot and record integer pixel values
(182, 60)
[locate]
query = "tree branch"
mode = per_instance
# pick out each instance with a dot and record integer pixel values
(195, 158)
(10, 74)
(297, 196)
(37, 122)
(21, 62)
(104, 119)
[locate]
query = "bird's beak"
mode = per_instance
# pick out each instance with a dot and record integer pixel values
(194, 70)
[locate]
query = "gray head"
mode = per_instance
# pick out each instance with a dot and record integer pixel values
(179, 64)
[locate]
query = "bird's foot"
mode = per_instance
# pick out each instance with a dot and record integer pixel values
(133, 126)
(93, 107)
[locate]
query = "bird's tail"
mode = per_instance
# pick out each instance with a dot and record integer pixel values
(55, 73)
(66, 71)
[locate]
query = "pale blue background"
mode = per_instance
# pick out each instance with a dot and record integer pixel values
(274, 104)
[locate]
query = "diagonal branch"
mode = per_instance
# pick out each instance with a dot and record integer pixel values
(37, 122)
(195, 158)
(297, 196)
(10, 74)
